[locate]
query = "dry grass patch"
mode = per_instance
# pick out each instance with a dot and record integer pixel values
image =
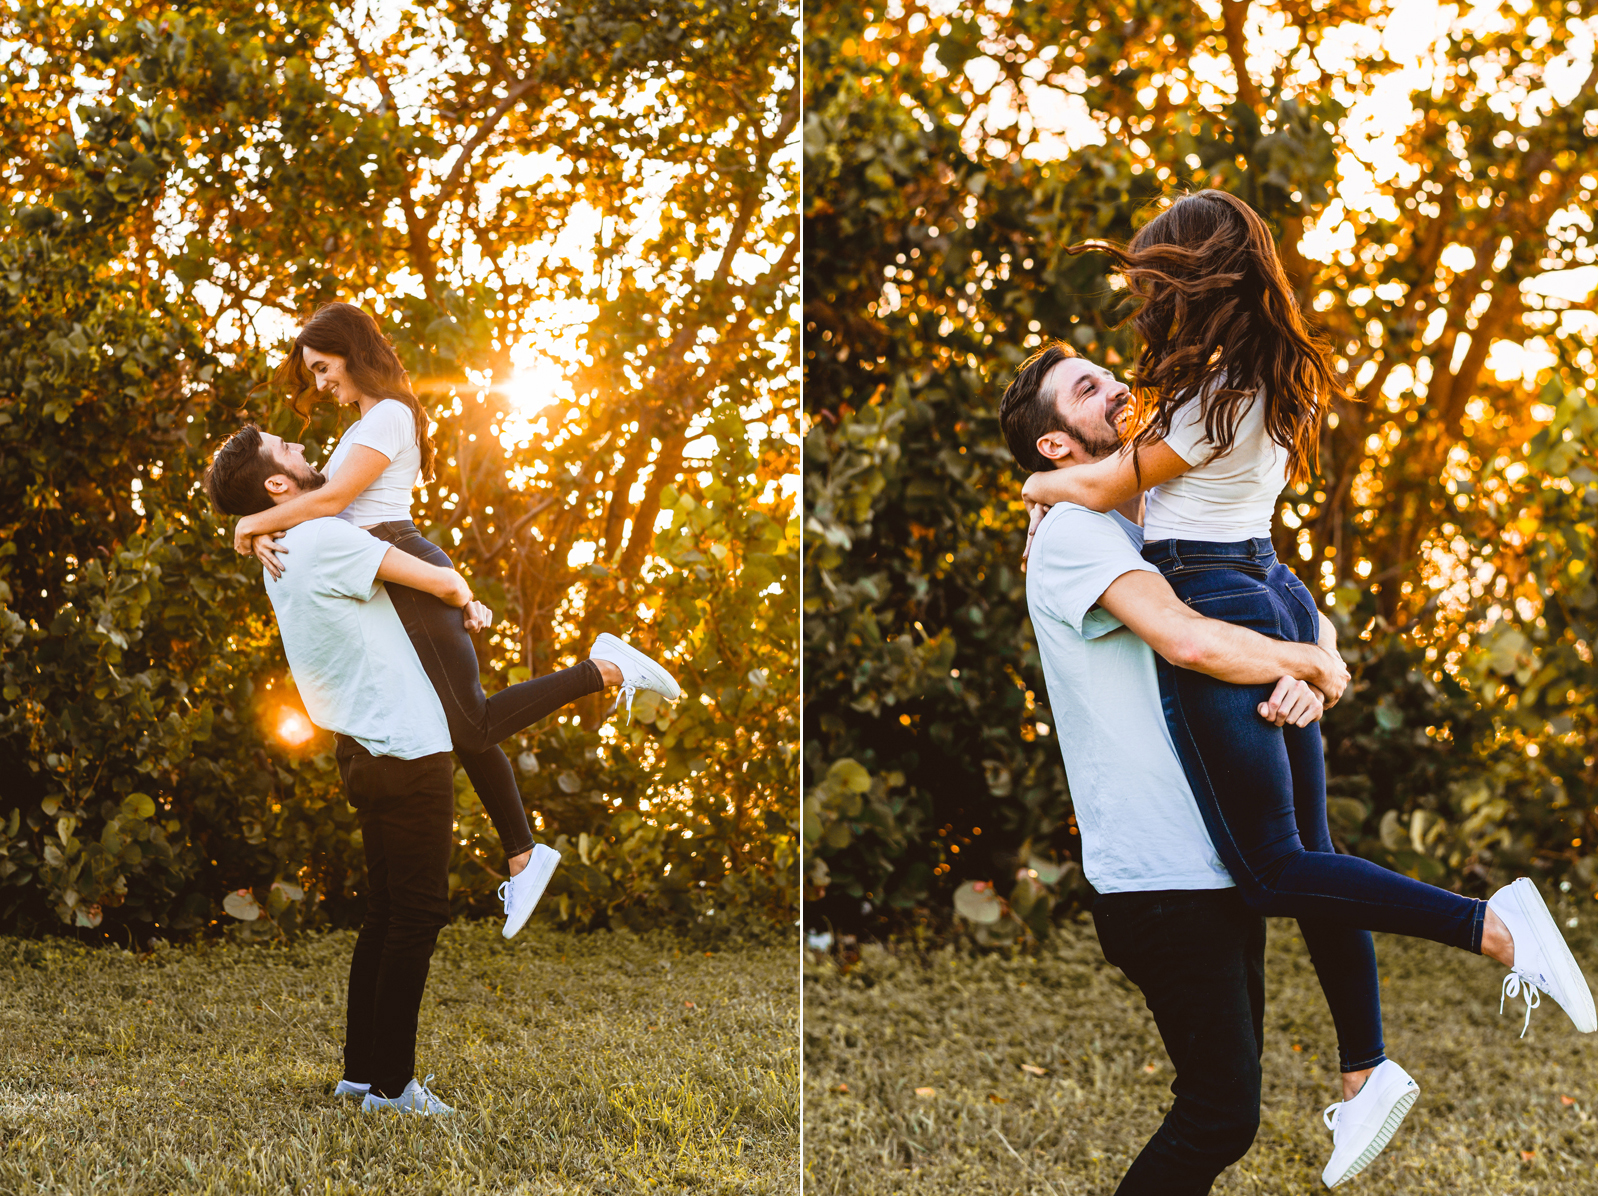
(601, 1063)
(1044, 1076)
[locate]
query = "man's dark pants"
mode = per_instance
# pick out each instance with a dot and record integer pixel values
(1199, 957)
(407, 812)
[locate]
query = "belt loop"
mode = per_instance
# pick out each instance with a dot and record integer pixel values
(1176, 557)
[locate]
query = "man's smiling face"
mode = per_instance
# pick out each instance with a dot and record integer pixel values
(289, 458)
(1093, 405)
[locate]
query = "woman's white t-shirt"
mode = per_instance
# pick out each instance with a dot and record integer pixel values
(1221, 499)
(389, 428)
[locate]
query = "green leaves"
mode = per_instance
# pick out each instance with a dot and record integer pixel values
(189, 183)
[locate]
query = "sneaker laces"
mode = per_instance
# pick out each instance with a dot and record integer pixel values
(422, 1091)
(628, 689)
(1330, 1115)
(504, 895)
(1519, 984)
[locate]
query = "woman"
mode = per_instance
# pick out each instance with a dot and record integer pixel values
(342, 352)
(1232, 390)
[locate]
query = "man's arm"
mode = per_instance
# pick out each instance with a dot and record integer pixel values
(1146, 603)
(402, 568)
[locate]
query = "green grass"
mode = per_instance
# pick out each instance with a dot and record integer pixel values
(599, 1063)
(1492, 1117)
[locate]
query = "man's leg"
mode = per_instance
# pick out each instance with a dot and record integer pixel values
(362, 996)
(1199, 958)
(411, 805)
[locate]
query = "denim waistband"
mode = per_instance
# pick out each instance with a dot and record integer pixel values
(394, 529)
(1257, 555)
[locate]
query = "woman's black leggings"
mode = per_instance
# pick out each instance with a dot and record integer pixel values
(478, 723)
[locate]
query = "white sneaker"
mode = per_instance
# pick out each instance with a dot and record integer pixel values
(637, 670)
(415, 1099)
(1362, 1126)
(1542, 960)
(345, 1088)
(521, 892)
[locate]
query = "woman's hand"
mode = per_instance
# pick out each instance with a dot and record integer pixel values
(1035, 512)
(244, 532)
(266, 550)
(1293, 701)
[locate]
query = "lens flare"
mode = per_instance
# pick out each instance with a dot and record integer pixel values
(293, 728)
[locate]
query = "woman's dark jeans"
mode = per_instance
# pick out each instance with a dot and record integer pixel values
(1262, 793)
(478, 723)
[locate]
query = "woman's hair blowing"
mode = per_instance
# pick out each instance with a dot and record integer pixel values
(344, 330)
(1219, 322)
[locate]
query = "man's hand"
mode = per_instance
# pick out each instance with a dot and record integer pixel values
(477, 616)
(267, 548)
(460, 593)
(1293, 701)
(1336, 679)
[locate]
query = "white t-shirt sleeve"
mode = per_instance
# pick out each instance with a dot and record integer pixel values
(1187, 437)
(1078, 554)
(348, 560)
(388, 427)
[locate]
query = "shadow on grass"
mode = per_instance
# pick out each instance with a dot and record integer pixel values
(598, 1063)
(922, 1074)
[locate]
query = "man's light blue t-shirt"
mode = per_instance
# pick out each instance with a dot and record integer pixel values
(1140, 826)
(354, 665)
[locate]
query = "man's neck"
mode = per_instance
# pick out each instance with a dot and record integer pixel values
(1132, 508)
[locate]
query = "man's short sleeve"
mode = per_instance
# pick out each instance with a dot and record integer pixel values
(1076, 556)
(389, 427)
(347, 560)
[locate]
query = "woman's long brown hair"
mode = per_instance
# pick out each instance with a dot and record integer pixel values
(344, 330)
(1219, 323)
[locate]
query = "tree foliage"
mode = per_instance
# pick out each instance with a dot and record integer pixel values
(951, 157)
(602, 195)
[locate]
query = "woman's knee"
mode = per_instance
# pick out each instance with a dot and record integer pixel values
(1233, 1136)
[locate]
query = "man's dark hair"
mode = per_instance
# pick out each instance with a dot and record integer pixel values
(1026, 413)
(236, 478)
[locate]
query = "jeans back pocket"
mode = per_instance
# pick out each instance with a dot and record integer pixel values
(1236, 598)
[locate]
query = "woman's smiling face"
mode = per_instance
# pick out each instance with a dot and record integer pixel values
(328, 370)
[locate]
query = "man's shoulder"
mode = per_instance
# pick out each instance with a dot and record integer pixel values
(329, 538)
(1070, 532)
(330, 528)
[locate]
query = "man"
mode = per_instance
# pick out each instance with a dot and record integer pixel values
(360, 677)
(1166, 911)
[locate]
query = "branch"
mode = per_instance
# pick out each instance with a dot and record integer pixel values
(457, 172)
(1233, 15)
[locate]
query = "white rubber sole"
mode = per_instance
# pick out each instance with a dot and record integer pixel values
(1540, 923)
(538, 871)
(1395, 1118)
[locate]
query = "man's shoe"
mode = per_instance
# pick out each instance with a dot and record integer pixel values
(1542, 960)
(637, 670)
(415, 1099)
(345, 1088)
(521, 892)
(1362, 1126)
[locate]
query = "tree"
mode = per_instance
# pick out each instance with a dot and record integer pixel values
(599, 197)
(951, 158)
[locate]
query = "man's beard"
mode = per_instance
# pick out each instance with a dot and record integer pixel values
(312, 479)
(1098, 441)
